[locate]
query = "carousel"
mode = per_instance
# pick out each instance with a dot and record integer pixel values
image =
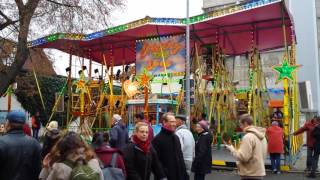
(149, 57)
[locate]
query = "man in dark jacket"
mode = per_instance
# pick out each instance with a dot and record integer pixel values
(168, 148)
(119, 133)
(203, 158)
(19, 154)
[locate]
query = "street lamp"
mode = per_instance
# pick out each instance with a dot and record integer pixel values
(188, 67)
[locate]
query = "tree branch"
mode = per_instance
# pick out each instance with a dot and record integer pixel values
(62, 4)
(8, 23)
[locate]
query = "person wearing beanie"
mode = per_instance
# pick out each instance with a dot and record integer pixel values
(51, 137)
(19, 153)
(275, 145)
(203, 156)
(119, 136)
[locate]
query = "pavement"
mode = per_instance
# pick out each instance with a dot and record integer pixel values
(232, 175)
(223, 155)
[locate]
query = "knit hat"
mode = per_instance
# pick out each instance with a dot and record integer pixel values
(16, 117)
(204, 124)
(117, 117)
(53, 125)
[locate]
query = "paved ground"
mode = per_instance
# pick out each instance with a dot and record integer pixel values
(224, 155)
(232, 175)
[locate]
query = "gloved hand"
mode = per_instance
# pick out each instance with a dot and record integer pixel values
(230, 147)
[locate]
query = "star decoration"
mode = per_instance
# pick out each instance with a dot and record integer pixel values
(285, 70)
(144, 78)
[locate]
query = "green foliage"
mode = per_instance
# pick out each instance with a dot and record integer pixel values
(29, 97)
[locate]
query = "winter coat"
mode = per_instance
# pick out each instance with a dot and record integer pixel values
(316, 136)
(119, 136)
(251, 153)
(139, 165)
(50, 139)
(202, 162)
(187, 145)
(308, 126)
(61, 171)
(19, 156)
(275, 139)
(105, 153)
(168, 148)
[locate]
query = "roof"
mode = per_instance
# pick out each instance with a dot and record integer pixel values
(236, 29)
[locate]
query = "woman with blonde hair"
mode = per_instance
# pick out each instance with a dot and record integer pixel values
(140, 157)
(69, 153)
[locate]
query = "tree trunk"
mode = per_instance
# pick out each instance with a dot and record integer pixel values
(25, 14)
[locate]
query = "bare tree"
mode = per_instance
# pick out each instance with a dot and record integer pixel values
(23, 20)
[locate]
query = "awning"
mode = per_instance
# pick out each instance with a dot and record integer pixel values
(236, 29)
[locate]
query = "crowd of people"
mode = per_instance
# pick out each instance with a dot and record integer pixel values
(173, 154)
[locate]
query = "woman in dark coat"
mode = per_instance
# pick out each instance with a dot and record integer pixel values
(140, 158)
(203, 158)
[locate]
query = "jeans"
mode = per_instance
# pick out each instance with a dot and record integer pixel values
(310, 158)
(315, 160)
(35, 132)
(275, 161)
(199, 176)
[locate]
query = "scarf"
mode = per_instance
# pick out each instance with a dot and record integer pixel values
(143, 145)
(168, 128)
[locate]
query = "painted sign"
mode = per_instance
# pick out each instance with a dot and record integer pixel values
(156, 55)
(164, 58)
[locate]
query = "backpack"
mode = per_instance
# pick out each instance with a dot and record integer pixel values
(82, 172)
(111, 172)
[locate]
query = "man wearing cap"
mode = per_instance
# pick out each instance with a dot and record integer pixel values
(186, 141)
(119, 134)
(19, 154)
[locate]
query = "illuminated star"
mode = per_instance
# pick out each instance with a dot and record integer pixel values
(285, 70)
(144, 78)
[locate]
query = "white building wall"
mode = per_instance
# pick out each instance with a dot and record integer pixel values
(305, 23)
(15, 106)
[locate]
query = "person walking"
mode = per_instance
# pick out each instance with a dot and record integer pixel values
(275, 145)
(36, 125)
(308, 128)
(315, 158)
(187, 142)
(69, 153)
(168, 148)
(252, 151)
(119, 133)
(203, 157)
(50, 138)
(140, 157)
(105, 152)
(19, 154)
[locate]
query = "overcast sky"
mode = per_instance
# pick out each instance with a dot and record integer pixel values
(137, 9)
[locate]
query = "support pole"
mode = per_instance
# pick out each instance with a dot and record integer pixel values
(188, 109)
(69, 89)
